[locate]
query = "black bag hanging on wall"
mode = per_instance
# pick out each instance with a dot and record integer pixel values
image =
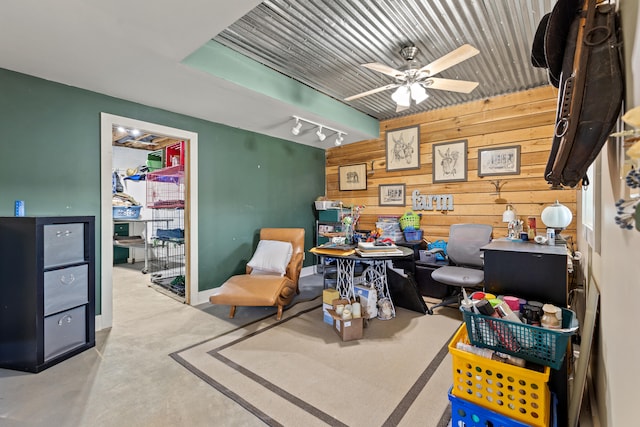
(587, 39)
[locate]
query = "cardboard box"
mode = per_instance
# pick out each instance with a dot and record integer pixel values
(347, 330)
(368, 300)
(328, 295)
(326, 317)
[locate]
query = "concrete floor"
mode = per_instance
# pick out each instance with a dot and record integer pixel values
(128, 379)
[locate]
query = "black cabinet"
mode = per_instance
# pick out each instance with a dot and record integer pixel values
(527, 270)
(47, 295)
(534, 272)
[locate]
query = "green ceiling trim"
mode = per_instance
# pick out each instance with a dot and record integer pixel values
(222, 62)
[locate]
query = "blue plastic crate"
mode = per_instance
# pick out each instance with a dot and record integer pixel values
(126, 212)
(467, 414)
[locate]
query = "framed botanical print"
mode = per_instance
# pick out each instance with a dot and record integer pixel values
(391, 195)
(450, 161)
(499, 161)
(403, 148)
(353, 177)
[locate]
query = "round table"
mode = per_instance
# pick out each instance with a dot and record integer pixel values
(375, 274)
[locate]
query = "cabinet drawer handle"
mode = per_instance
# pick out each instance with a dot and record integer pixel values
(63, 233)
(66, 317)
(70, 280)
(536, 255)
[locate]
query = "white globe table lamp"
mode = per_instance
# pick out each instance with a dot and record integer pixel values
(558, 217)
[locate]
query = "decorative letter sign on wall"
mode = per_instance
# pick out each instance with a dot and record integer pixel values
(420, 202)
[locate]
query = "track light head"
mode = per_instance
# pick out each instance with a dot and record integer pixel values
(296, 129)
(321, 136)
(339, 139)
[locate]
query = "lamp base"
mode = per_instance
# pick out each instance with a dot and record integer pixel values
(560, 240)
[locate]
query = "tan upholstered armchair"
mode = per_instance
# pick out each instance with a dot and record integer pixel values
(265, 289)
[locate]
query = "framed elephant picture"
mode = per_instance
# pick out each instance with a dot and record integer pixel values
(450, 161)
(353, 177)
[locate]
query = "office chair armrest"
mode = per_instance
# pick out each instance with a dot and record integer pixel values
(435, 251)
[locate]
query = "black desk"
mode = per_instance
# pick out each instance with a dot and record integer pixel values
(427, 285)
(534, 272)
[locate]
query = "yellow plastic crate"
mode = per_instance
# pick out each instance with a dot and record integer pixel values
(518, 393)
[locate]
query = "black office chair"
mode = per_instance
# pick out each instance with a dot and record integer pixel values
(465, 259)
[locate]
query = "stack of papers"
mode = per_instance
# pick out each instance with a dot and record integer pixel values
(370, 249)
(372, 246)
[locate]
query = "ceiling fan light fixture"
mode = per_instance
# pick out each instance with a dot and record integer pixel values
(296, 129)
(321, 136)
(418, 93)
(402, 96)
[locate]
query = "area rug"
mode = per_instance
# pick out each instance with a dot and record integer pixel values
(298, 371)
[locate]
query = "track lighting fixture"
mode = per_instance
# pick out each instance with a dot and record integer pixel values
(320, 133)
(296, 129)
(321, 136)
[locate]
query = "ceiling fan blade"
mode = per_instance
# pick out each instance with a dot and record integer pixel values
(385, 69)
(372, 91)
(452, 58)
(461, 86)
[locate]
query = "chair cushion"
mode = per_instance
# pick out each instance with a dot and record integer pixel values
(458, 276)
(271, 256)
(250, 290)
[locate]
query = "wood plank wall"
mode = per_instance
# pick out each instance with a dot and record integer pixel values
(524, 118)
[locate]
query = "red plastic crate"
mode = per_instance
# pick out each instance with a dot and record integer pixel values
(174, 152)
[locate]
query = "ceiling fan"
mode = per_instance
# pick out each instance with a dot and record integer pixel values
(412, 79)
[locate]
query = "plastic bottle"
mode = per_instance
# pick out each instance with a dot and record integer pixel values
(505, 312)
(502, 331)
(524, 336)
(466, 304)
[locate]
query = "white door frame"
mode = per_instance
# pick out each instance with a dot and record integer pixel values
(107, 121)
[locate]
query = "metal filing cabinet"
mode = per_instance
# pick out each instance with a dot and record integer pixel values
(47, 295)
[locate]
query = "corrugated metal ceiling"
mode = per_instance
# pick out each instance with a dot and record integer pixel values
(322, 43)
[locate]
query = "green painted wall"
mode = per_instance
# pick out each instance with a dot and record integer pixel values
(220, 61)
(51, 160)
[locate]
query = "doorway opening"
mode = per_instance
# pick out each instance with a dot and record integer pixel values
(178, 254)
